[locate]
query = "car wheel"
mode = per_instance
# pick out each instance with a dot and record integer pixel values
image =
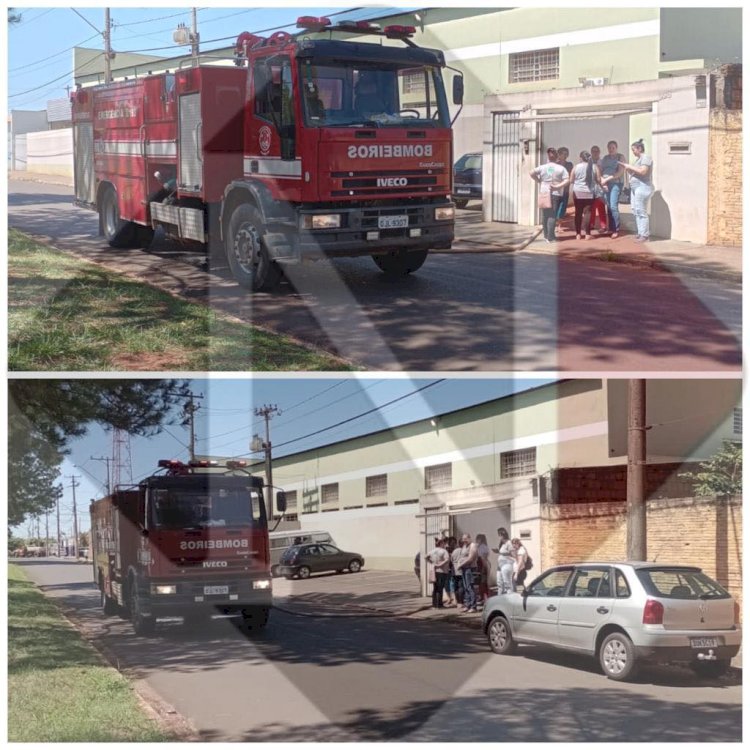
(617, 657)
(252, 266)
(711, 668)
(499, 636)
(399, 263)
(355, 566)
(460, 202)
(304, 572)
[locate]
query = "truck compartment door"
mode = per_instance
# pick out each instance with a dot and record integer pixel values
(83, 135)
(190, 177)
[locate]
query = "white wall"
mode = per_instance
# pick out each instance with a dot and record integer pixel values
(51, 152)
(388, 537)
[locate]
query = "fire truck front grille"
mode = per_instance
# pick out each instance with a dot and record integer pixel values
(384, 183)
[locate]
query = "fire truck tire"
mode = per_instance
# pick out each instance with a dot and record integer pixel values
(251, 265)
(399, 263)
(141, 625)
(255, 618)
(117, 232)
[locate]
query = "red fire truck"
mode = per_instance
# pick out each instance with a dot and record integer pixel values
(190, 542)
(309, 147)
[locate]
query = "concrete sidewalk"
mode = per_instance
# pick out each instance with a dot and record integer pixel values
(474, 236)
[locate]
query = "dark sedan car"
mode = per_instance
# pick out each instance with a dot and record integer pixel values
(302, 560)
(467, 179)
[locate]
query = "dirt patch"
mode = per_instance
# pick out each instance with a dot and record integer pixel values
(150, 361)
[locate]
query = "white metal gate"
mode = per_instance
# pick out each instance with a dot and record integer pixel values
(83, 166)
(506, 164)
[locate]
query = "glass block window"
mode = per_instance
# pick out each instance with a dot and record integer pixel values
(539, 65)
(376, 486)
(737, 421)
(329, 494)
(521, 463)
(438, 477)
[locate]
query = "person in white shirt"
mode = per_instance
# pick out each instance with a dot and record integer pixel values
(553, 178)
(440, 560)
(505, 561)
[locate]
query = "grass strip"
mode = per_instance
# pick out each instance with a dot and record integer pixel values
(68, 314)
(59, 690)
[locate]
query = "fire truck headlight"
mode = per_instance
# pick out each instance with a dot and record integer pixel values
(262, 584)
(321, 221)
(157, 588)
(445, 213)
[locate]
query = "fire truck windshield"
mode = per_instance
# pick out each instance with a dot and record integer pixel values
(354, 95)
(205, 507)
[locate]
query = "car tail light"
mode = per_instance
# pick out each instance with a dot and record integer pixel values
(737, 618)
(653, 612)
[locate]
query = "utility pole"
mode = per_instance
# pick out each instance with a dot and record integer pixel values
(636, 492)
(267, 412)
(46, 534)
(57, 504)
(107, 48)
(194, 38)
(107, 461)
(73, 485)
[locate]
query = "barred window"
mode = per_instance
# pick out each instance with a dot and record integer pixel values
(376, 486)
(737, 420)
(413, 81)
(539, 65)
(438, 477)
(329, 494)
(519, 463)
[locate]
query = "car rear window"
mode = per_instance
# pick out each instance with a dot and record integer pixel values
(289, 553)
(680, 583)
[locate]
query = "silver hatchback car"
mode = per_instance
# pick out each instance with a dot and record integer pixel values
(623, 614)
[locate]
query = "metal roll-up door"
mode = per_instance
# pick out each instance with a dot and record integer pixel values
(83, 136)
(191, 153)
(506, 165)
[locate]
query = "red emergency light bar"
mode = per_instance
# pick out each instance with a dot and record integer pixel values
(236, 464)
(203, 463)
(313, 23)
(399, 32)
(170, 463)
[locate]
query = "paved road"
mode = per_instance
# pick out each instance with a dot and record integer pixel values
(494, 312)
(372, 679)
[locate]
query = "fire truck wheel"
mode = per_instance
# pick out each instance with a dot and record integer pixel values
(255, 618)
(141, 625)
(117, 232)
(397, 264)
(247, 255)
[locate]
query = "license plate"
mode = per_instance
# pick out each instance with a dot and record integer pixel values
(462, 191)
(215, 590)
(703, 642)
(393, 222)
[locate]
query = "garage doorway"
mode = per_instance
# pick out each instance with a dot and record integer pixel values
(506, 166)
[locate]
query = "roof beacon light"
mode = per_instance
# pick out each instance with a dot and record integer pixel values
(313, 23)
(399, 32)
(169, 463)
(203, 463)
(236, 464)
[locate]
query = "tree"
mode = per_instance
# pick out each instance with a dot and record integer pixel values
(720, 475)
(13, 17)
(44, 415)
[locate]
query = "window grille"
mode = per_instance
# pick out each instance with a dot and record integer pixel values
(414, 82)
(539, 65)
(376, 486)
(329, 494)
(438, 477)
(519, 463)
(737, 420)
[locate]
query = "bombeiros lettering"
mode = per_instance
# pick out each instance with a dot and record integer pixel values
(390, 151)
(213, 544)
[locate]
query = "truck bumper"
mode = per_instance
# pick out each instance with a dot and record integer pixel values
(361, 233)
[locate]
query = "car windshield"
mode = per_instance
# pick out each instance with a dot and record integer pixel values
(680, 583)
(205, 507)
(469, 161)
(353, 94)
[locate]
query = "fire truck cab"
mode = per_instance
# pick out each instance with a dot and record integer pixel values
(191, 542)
(309, 148)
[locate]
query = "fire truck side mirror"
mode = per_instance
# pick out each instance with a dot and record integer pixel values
(281, 501)
(458, 89)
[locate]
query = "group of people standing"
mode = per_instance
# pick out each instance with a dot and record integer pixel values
(462, 569)
(596, 183)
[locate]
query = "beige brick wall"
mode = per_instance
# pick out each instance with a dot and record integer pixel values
(696, 531)
(724, 184)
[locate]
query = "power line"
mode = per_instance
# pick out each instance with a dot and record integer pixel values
(54, 80)
(151, 20)
(45, 63)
